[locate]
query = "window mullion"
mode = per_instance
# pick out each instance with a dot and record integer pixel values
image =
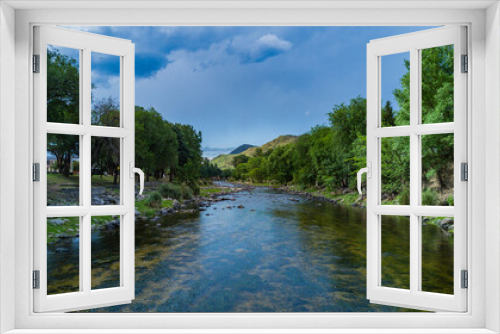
(414, 169)
(86, 163)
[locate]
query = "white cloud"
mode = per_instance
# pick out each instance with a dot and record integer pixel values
(273, 41)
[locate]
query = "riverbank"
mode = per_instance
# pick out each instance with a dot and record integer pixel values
(347, 197)
(63, 229)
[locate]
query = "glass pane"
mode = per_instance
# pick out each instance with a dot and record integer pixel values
(395, 89)
(437, 254)
(63, 85)
(395, 170)
(105, 252)
(437, 84)
(396, 252)
(437, 169)
(105, 90)
(63, 170)
(63, 255)
(105, 171)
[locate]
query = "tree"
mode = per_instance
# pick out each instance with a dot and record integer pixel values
(63, 102)
(156, 143)
(239, 159)
(437, 106)
(189, 152)
(388, 118)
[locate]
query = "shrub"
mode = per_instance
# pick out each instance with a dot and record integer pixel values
(195, 187)
(154, 200)
(450, 200)
(404, 197)
(170, 190)
(429, 197)
(186, 192)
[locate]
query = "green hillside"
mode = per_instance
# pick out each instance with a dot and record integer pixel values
(223, 161)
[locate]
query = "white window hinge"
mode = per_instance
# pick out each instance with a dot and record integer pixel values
(465, 279)
(464, 171)
(36, 172)
(36, 63)
(36, 279)
(465, 64)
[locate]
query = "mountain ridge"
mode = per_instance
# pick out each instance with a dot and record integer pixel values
(223, 161)
(241, 149)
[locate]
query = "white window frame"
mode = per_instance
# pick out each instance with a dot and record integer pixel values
(482, 18)
(413, 43)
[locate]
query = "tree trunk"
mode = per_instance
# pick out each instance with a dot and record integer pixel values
(115, 178)
(66, 165)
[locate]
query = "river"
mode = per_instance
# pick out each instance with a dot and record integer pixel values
(276, 253)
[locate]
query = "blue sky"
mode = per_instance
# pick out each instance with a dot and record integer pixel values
(247, 85)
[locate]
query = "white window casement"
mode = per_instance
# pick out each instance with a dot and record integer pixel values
(475, 127)
(416, 44)
(84, 132)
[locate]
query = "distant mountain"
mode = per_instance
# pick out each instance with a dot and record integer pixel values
(212, 152)
(223, 161)
(241, 148)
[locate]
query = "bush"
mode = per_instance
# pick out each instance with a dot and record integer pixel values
(186, 192)
(450, 200)
(195, 187)
(170, 190)
(429, 197)
(404, 197)
(154, 200)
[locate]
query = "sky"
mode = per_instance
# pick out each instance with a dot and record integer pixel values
(247, 85)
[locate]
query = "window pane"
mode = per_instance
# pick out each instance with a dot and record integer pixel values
(63, 85)
(105, 90)
(395, 89)
(63, 255)
(395, 252)
(63, 170)
(105, 171)
(105, 252)
(437, 254)
(437, 169)
(437, 84)
(395, 159)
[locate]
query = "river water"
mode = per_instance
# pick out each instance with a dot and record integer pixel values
(276, 253)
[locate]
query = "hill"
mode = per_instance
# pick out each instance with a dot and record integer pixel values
(223, 161)
(241, 148)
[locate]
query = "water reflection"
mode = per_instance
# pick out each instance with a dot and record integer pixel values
(273, 255)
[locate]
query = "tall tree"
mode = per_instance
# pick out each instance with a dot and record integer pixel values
(62, 106)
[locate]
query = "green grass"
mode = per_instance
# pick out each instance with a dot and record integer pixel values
(205, 192)
(144, 208)
(74, 180)
(71, 227)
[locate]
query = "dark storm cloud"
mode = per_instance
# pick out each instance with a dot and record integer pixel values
(154, 44)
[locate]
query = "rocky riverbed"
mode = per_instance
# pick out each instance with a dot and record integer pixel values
(63, 228)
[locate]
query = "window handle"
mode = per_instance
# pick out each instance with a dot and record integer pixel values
(368, 171)
(134, 170)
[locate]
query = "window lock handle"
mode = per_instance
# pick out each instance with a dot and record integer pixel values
(368, 171)
(134, 170)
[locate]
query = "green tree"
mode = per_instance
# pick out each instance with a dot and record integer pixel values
(63, 90)
(388, 118)
(239, 159)
(156, 143)
(437, 106)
